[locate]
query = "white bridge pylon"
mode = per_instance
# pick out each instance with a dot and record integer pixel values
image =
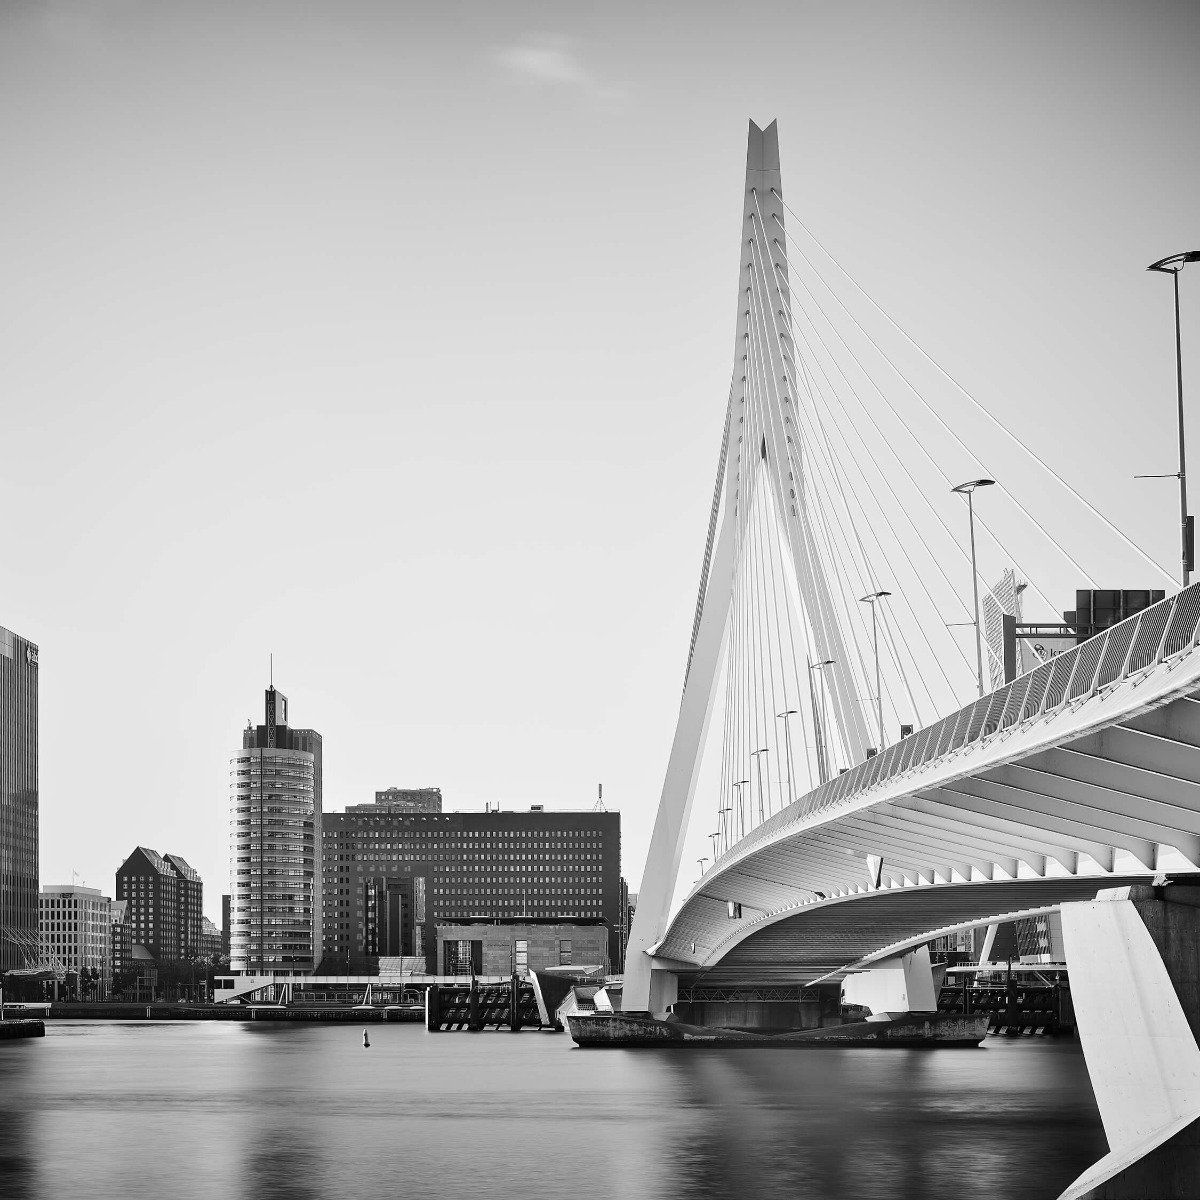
(764, 581)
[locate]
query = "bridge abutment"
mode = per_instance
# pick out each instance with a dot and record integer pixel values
(1134, 958)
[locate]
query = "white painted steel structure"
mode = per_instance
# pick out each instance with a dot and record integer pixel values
(1088, 758)
(1079, 778)
(1054, 775)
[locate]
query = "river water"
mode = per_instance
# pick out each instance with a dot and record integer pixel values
(303, 1112)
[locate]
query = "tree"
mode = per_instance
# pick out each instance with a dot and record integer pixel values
(125, 981)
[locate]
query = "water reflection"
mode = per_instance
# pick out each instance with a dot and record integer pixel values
(18, 1169)
(302, 1112)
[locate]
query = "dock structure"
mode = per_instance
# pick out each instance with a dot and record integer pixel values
(479, 1005)
(23, 1028)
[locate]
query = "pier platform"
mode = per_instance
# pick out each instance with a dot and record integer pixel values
(904, 1030)
(24, 1028)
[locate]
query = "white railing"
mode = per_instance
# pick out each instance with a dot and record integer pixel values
(1166, 629)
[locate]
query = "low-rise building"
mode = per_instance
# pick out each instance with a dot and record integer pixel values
(75, 926)
(506, 948)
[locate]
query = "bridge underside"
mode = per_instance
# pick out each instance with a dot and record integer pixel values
(825, 940)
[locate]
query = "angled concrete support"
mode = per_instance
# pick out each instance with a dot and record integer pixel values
(1134, 955)
(894, 985)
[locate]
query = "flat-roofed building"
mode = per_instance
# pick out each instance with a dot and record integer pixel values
(391, 877)
(518, 947)
(75, 924)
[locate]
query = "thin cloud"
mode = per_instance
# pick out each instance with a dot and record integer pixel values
(551, 60)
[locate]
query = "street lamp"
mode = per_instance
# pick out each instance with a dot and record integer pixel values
(726, 826)
(1172, 266)
(820, 721)
(754, 754)
(872, 600)
(741, 804)
(968, 489)
(787, 743)
(702, 861)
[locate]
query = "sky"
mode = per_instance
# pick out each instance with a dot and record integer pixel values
(394, 341)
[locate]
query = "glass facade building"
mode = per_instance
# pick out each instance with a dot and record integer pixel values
(19, 945)
(275, 839)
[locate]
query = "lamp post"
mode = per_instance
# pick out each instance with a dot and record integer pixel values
(872, 600)
(754, 754)
(741, 805)
(787, 744)
(968, 489)
(820, 721)
(1172, 265)
(702, 861)
(726, 828)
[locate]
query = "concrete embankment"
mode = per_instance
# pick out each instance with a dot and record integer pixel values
(21, 1029)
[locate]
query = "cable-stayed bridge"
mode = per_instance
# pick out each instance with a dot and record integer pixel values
(850, 802)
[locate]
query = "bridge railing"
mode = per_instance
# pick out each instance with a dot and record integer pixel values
(1164, 630)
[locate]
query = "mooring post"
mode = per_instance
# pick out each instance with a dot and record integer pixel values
(514, 1003)
(433, 1013)
(473, 1022)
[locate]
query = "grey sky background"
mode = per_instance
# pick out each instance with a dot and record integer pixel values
(396, 339)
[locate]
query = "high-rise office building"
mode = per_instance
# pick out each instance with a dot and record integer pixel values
(165, 903)
(391, 876)
(275, 842)
(18, 802)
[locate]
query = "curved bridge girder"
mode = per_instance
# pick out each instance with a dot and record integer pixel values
(1058, 800)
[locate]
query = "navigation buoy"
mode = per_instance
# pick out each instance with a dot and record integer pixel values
(366, 1041)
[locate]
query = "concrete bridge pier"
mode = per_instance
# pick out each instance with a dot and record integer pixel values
(900, 984)
(664, 989)
(1134, 956)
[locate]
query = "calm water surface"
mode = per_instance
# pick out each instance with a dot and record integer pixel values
(303, 1112)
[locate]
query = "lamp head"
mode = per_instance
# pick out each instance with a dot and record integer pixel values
(971, 485)
(873, 597)
(1174, 263)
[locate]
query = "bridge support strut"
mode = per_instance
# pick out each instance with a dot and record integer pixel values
(1134, 955)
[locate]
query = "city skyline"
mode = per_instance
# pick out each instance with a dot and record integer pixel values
(473, 542)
